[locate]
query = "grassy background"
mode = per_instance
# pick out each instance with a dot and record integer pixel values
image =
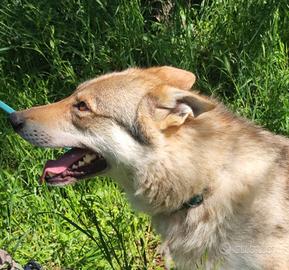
(238, 49)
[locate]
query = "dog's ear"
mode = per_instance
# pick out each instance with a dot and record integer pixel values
(173, 106)
(175, 77)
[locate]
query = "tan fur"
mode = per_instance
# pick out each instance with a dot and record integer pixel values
(164, 145)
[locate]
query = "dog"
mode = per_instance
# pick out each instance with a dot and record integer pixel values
(213, 183)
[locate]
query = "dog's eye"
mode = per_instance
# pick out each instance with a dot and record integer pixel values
(81, 106)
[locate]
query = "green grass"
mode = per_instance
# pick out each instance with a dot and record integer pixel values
(238, 49)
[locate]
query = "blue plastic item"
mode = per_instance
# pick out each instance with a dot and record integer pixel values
(6, 108)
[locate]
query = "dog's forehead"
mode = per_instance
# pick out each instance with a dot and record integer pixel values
(122, 87)
(117, 94)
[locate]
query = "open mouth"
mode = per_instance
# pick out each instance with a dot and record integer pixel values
(73, 165)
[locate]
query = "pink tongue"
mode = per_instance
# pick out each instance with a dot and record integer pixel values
(63, 163)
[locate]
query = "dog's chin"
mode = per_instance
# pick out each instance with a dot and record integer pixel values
(76, 164)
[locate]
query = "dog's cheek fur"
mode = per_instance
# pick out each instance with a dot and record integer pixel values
(126, 149)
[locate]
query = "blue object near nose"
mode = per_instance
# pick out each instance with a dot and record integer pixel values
(6, 108)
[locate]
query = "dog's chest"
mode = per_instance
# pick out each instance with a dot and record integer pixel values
(188, 238)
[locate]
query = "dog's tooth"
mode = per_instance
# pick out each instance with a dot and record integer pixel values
(86, 159)
(89, 157)
(50, 174)
(80, 163)
(74, 166)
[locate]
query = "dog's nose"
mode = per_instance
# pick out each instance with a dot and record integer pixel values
(17, 121)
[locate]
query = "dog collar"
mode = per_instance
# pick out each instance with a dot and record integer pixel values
(193, 202)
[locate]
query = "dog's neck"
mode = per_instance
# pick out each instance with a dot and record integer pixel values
(196, 159)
